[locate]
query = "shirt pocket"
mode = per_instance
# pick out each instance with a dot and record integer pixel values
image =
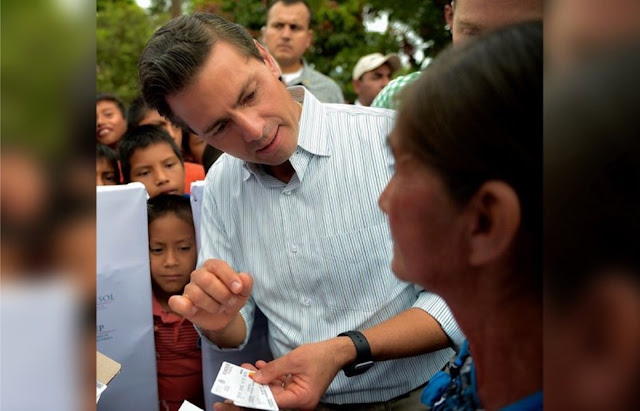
(357, 269)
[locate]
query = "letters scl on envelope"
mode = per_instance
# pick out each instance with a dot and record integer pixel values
(233, 383)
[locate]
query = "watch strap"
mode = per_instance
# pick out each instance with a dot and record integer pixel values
(363, 361)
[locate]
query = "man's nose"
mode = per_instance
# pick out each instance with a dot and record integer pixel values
(286, 32)
(251, 127)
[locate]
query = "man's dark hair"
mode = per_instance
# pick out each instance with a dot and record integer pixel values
(177, 51)
(111, 156)
(291, 3)
(110, 97)
(142, 137)
(164, 204)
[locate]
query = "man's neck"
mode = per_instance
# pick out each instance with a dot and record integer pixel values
(291, 68)
(282, 172)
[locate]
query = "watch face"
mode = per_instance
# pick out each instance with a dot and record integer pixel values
(363, 366)
(357, 369)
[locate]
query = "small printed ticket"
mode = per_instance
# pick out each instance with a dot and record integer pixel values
(234, 383)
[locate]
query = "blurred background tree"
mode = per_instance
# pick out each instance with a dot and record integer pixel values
(342, 33)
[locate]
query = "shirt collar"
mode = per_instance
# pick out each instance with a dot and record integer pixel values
(312, 135)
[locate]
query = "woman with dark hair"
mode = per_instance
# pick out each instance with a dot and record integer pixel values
(464, 207)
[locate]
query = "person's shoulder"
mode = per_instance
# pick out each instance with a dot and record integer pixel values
(364, 125)
(349, 110)
(386, 97)
(318, 77)
(225, 167)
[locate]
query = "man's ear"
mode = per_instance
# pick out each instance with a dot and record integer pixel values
(269, 60)
(262, 30)
(356, 86)
(448, 15)
(495, 218)
(309, 39)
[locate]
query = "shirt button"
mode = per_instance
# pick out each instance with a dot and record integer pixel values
(287, 192)
(306, 302)
(294, 248)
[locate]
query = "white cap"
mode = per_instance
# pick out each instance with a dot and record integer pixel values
(373, 61)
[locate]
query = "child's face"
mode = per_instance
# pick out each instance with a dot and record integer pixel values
(110, 124)
(196, 146)
(154, 118)
(172, 252)
(105, 173)
(158, 168)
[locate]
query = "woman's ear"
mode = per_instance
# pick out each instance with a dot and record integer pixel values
(495, 218)
(269, 60)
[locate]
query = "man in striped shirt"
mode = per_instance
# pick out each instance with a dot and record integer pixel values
(291, 225)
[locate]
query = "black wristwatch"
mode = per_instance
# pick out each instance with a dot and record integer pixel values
(363, 361)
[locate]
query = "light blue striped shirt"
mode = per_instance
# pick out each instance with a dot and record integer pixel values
(319, 248)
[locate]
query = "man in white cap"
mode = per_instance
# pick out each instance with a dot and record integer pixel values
(371, 74)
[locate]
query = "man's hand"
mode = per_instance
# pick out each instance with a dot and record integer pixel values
(214, 296)
(226, 406)
(300, 378)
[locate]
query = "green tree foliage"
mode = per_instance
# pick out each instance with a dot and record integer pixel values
(424, 17)
(102, 4)
(122, 32)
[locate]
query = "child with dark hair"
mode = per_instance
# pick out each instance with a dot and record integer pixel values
(107, 170)
(140, 114)
(149, 155)
(111, 120)
(172, 258)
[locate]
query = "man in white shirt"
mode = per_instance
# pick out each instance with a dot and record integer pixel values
(292, 226)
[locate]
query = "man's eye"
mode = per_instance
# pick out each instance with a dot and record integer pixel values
(220, 128)
(185, 248)
(142, 173)
(250, 97)
(155, 250)
(110, 177)
(169, 165)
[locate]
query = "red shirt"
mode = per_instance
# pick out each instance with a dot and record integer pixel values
(178, 359)
(192, 172)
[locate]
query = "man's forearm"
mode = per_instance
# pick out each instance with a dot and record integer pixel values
(412, 332)
(231, 336)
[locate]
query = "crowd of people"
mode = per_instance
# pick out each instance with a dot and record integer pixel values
(400, 254)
